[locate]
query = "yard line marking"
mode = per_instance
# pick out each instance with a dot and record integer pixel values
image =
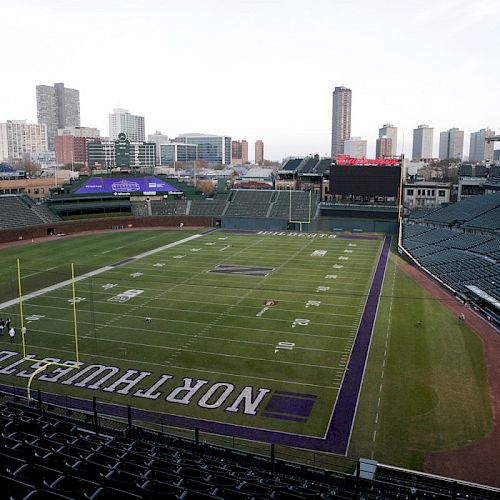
(90, 274)
(388, 329)
(233, 327)
(162, 365)
(39, 272)
(232, 306)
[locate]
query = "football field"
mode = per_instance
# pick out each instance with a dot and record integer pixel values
(233, 332)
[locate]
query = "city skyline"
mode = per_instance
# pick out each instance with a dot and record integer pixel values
(413, 90)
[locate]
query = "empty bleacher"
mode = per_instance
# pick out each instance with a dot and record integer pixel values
(47, 454)
(291, 164)
(464, 211)
(294, 205)
(433, 236)
(17, 211)
(467, 252)
(249, 203)
(140, 207)
(488, 221)
(45, 213)
(212, 206)
(169, 207)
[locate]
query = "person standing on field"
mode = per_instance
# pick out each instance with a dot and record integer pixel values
(2, 326)
(12, 335)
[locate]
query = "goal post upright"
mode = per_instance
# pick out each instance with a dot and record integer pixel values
(290, 219)
(74, 314)
(44, 363)
(20, 288)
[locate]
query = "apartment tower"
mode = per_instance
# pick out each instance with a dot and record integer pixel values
(57, 107)
(341, 119)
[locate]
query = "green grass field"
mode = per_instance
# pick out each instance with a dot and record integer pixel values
(424, 390)
(215, 327)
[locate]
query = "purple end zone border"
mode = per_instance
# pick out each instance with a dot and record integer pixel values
(339, 431)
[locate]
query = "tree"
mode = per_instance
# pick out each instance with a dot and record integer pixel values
(27, 166)
(442, 171)
(205, 187)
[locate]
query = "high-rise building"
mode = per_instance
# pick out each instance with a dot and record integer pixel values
(158, 138)
(451, 144)
(480, 150)
(71, 149)
(239, 151)
(383, 147)
(391, 132)
(18, 138)
(57, 107)
(236, 151)
(341, 119)
(422, 142)
(89, 132)
(211, 148)
(121, 121)
(259, 152)
(121, 153)
(70, 144)
(244, 152)
(177, 151)
(355, 147)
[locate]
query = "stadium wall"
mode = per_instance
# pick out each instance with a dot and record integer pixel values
(257, 223)
(351, 224)
(79, 226)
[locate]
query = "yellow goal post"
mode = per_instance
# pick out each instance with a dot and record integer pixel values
(45, 364)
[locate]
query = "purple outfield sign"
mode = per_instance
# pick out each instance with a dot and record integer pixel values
(101, 185)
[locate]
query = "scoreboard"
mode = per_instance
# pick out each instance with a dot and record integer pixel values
(381, 179)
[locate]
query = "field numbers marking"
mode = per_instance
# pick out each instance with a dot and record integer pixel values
(195, 249)
(343, 258)
(210, 243)
(331, 276)
(158, 264)
(125, 296)
(284, 345)
(322, 289)
(310, 303)
(179, 256)
(352, 245)
(347, 251)
(319, 253)
(136, 275)
(300, 322)
(76, 300)
(34, 317)
(108, 286)
(338, 266)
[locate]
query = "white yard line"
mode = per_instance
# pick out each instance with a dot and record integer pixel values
(389, 323)
(39, 272)
(100, 357)
(351, 331)
(90, 274)
(187, 349)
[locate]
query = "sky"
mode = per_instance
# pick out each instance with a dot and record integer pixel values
(260, 69)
